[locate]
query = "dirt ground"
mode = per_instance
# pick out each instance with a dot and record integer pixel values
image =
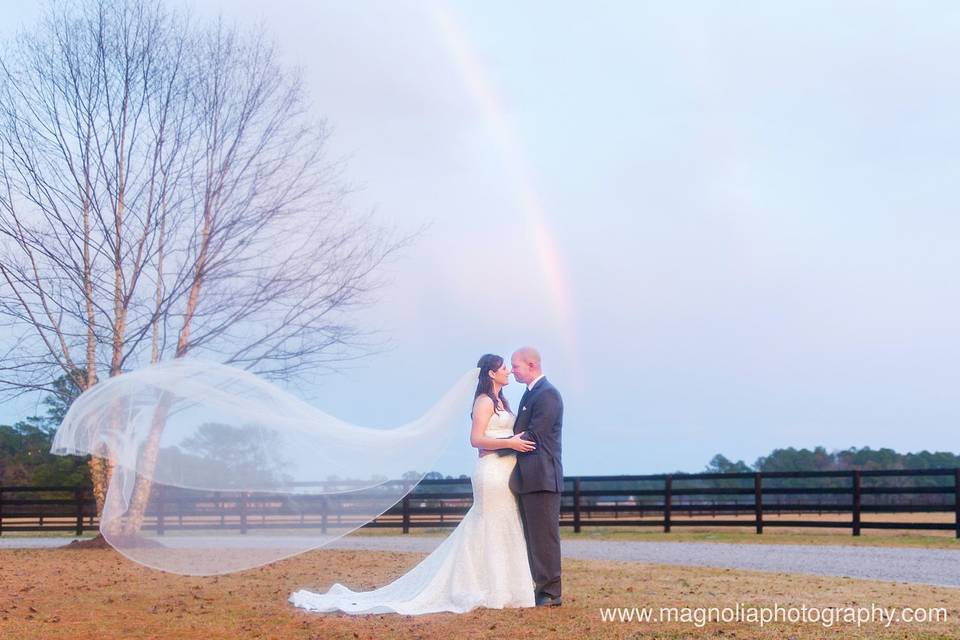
(79, 594)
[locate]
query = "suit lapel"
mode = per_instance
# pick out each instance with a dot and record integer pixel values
(524, 411)
(521, 420)
(523, 402)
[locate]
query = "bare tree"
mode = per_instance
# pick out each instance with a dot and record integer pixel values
(165, 179)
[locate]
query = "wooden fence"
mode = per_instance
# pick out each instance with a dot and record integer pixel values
(662, 500)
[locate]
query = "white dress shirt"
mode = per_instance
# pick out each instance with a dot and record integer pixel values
(533, 382)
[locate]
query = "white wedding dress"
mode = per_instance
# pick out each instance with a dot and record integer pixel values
(482, 563)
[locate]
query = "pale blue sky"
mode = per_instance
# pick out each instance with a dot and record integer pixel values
(754, 205)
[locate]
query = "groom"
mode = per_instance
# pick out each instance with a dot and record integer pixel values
(538, 476)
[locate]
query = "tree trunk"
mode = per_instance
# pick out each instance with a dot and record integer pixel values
(100, 479)
(147, 463)
(113, 527)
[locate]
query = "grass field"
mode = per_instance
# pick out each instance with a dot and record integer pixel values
(747, 535)
(97, 593)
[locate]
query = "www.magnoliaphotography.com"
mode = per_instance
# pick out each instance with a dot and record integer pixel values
(503, 320)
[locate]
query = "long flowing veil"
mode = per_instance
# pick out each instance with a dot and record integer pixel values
(218, 470)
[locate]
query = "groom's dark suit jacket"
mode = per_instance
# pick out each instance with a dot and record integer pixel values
(540, 414)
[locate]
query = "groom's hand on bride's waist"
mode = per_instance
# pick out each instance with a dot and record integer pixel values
(518, 436)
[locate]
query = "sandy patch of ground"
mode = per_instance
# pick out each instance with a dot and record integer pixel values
(58, 593)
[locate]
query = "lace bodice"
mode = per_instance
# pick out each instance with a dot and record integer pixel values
(500, 425)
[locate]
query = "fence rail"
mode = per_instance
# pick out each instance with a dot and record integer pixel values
(659, 500)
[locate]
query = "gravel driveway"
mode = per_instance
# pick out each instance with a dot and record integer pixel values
(897, 564)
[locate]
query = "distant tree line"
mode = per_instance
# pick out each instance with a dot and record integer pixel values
(25, 458)
(819, 459)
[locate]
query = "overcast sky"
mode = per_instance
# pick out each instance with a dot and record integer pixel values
(729, 227)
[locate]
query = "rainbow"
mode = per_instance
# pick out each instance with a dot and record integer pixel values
(491, 104)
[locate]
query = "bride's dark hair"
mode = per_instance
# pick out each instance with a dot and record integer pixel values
(487, 363)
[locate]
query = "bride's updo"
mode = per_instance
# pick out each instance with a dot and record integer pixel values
(487, 363)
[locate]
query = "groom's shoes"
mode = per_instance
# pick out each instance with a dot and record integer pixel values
(548, 601)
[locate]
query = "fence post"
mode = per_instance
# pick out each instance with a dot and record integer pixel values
(576, 505)
(667, 501)
(78, 494)
(758, 500)
(406, 513)
(956, 499)
(243, 512)
(856, 502)
(324, 508)
(1, 511)
(159, 498)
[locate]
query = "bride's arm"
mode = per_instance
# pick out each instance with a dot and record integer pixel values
(482, 410)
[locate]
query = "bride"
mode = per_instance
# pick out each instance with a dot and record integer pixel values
(483, 562)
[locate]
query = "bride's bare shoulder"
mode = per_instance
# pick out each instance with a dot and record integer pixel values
(483, 401)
